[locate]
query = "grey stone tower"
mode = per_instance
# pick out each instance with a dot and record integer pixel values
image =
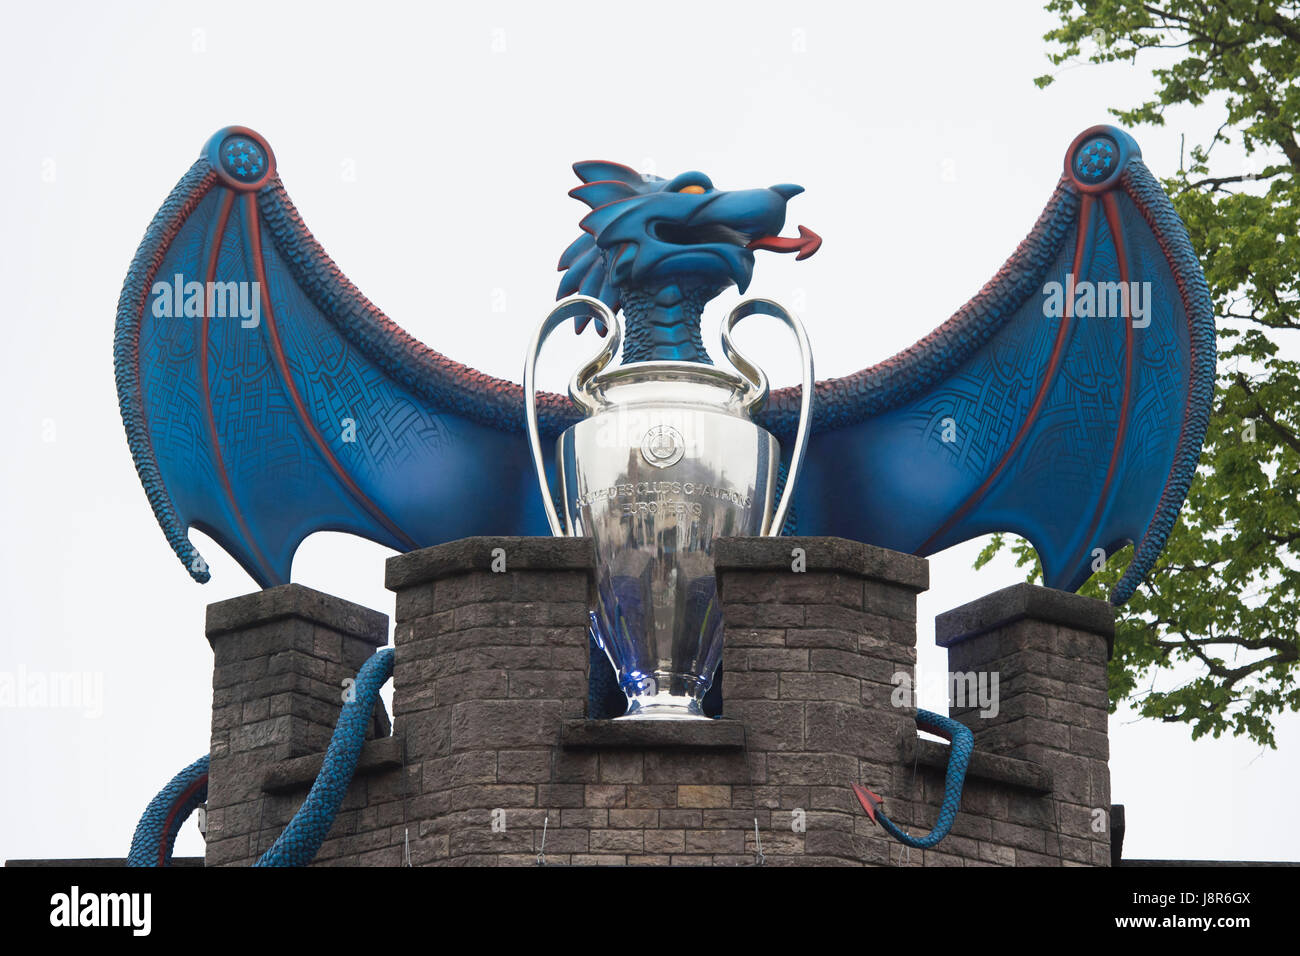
(490, 758)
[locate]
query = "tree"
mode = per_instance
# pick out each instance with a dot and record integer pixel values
(1223, 596)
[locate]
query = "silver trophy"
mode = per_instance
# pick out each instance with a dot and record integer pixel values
(666, 461)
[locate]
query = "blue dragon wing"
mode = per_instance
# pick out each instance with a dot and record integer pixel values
(1078, 430)
(265, 398)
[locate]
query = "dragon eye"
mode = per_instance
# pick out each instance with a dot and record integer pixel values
(694, 190)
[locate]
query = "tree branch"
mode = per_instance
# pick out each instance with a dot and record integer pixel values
(1287, 436)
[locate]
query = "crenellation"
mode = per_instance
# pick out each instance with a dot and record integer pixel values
(489, 698)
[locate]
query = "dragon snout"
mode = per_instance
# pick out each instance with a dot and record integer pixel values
(804, 245)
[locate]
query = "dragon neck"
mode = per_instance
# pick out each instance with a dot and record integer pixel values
(663, 322)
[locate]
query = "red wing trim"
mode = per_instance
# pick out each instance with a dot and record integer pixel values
(205, 388)
(1049, 377)
(1121, 430)
(252, 224)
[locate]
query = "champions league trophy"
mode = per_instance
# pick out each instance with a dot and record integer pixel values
(666, 461)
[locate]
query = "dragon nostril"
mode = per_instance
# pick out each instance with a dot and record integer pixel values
(787, 190)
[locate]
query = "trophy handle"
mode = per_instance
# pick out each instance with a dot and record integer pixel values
(757, 388)
(572, 307)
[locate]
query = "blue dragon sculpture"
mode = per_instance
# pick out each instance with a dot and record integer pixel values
(265, 398)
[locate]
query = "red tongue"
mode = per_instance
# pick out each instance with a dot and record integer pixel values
(806, 244)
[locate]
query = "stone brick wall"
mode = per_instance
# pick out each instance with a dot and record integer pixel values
(491, 744)
(489, 665)
(816, 629)
(279, 660)
(1050, 650)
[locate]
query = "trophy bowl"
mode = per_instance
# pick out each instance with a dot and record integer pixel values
(666, 461)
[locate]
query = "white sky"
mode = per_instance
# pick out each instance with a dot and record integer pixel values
(925, 148)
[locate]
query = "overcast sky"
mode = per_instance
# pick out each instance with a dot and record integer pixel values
(429, 151)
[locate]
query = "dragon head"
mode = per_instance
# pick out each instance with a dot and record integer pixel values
(645, 233)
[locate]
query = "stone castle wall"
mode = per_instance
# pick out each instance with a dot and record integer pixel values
(491, 760)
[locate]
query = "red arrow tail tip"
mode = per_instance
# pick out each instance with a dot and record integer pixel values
(811, 242)
(870, 801)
